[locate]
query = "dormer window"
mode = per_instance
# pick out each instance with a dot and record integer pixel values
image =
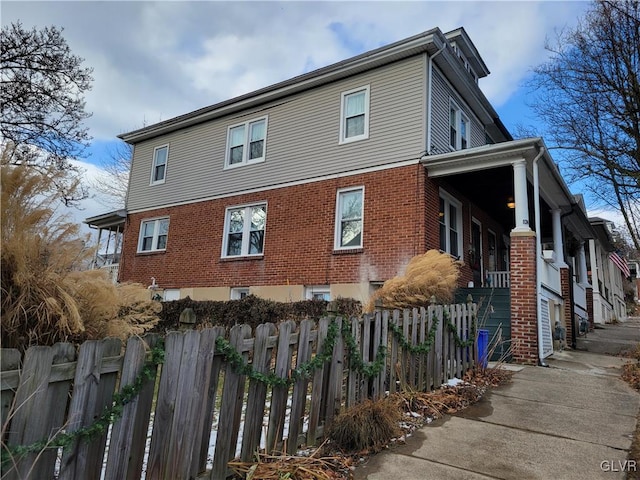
(458, 127)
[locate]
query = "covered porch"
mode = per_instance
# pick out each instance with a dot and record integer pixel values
(540, 256)
(110, 228)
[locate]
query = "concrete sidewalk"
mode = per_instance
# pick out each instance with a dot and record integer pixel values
(572, 420)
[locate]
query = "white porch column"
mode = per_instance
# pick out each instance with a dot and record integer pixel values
(582, 262)
(520, 196)
(557, 237)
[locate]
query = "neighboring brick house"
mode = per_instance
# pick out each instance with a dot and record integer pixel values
(327, 184)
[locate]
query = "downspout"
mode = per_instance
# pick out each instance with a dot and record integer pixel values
(536, 205)
(429, 82)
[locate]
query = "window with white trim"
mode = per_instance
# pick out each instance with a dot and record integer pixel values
(153, 235)
(159, 168)
(450, 217)
(354, 115)
(349, 216)
(318, 293)
(244, 231)
(246, 143)
(238, 293)
(458, 127)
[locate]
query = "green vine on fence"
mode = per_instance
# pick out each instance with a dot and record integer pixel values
(356, 362)
(110, 414)
(456, 338)
(422, 348)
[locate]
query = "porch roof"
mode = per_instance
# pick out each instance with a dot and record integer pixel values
(108, 221)
(499, 183)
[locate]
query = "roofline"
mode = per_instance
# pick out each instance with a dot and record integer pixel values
(430, 40)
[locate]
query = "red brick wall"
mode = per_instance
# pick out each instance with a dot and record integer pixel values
(566, 304)
(299, 236)
(524, 305)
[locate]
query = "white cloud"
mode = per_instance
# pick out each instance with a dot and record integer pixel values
(155, 60)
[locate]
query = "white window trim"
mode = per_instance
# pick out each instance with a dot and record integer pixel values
(451, 200)
(338, 219)
(310, 290)
(245, 150)
(236, 292)
(245, 238)
(154, 242)
(367, 99)
(153, 165)
(460, 114)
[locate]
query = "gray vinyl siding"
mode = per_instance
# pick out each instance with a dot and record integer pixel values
(441, 92)
(302, 140)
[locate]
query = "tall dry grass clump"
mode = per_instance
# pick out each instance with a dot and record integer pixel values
(432, 274)
(46, 297)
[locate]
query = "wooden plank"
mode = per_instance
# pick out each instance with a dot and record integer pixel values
(200, 400)
(365, 348)
(458, 324)
(384, 340)
(353, 379)
(9, 361)
(128, 435)
(299, 396)
(279, 394)
(185, 410)
(83, 459)
(334, 384)
(413, 358)
(230, 409)
(29, 421)
(57, 401)
(206, 421)
(404, 366)
(422, 358)
(376, 340)
(394, 360)
(316, 385)
(439, 344)
(431, 356)
(165, 403)
(256, 398)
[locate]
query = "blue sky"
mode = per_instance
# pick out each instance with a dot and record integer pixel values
(156, 60)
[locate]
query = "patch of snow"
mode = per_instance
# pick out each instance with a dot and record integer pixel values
(453, 382)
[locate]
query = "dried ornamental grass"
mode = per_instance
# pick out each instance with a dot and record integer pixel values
(367, 426)
(427, 276)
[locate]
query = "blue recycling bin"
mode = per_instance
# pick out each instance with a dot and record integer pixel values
(483, 347)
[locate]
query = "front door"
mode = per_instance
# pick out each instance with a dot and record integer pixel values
(475, 256)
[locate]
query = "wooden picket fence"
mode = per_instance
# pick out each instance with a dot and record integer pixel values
(217, 395)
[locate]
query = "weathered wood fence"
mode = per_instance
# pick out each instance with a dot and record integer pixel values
(216, 397)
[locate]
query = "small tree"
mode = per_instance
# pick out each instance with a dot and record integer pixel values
(41, 104)
(114, 180)
(588, 95)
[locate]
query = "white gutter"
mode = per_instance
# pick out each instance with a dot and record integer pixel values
(536, 199)
(430, 81)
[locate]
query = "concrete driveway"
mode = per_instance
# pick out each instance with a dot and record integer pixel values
(572, 420)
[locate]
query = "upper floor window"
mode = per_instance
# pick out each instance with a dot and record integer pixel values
(354, 115)
(349, 214)
(153, 235)
(458, 128)
(246, 143)
(244, 231)
(159, 169)
(450, 216)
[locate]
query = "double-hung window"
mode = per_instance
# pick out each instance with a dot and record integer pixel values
(458, 127)
(159, 169)
(450, 216)
(246, 143)
(153, 235)
(244, 231)
(349, 215)
(354, 115)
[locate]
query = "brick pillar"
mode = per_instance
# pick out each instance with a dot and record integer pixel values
(524, 298)
(589, 291)
(566, 303)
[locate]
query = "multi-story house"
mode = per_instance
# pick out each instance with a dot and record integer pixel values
(607, 275)
(327, 184)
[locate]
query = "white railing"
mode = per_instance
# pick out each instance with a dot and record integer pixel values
(550, 277)
(112, 271)
(579, 295)
(498, 279)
